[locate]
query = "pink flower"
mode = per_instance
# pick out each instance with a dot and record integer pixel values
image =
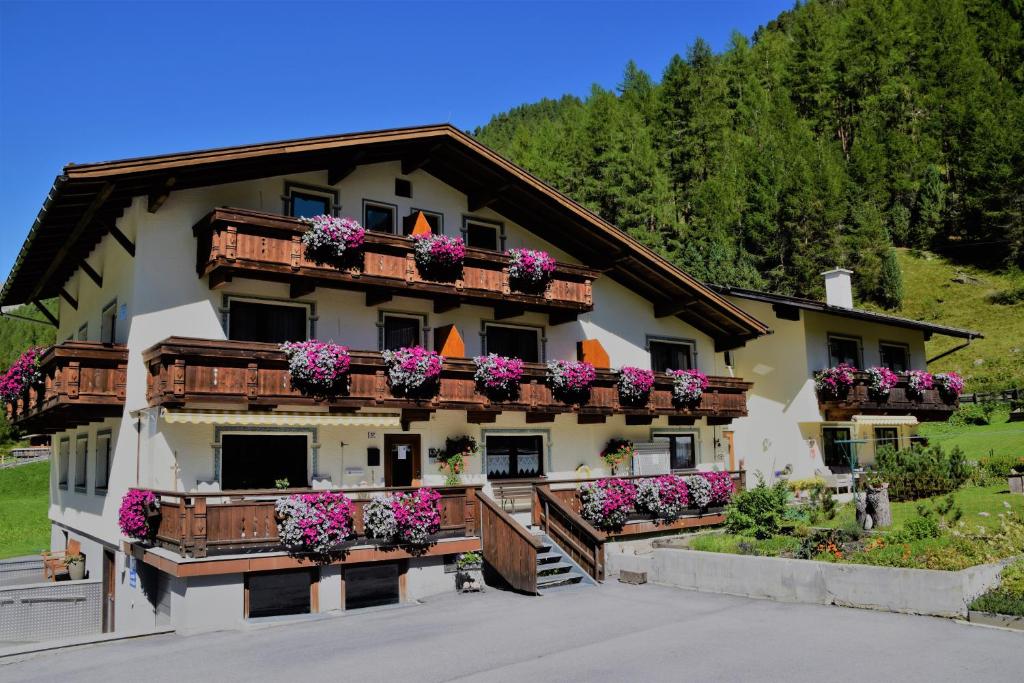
(688, 385)
(498, 375)
(132, 517)
(635, 384)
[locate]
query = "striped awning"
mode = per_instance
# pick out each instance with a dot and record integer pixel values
(883, 420)
(278, 418)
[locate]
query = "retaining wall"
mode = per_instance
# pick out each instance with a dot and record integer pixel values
(19, 571)
(48, 611)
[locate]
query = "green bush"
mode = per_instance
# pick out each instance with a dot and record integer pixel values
(758, 511)
(1000, 466)
(919, 472)
(1008, 598)
(974, 413)
(1008, 297)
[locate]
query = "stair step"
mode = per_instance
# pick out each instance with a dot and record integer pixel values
(545, 558)
(548, 582)
(554, 568)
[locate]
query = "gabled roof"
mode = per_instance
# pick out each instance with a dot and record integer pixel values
(87, 199)
(781, 303)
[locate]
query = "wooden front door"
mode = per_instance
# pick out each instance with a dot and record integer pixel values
(402, 459)
(109, 582)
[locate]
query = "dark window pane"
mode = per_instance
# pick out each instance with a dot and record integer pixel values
(268, 323)
(401, 332)
(251, 461)
(275, 593)
(309, 205)
(514, 342)
(895, 358)
(371, 585)
(681, 450)
(843, 351)
(886, 436)
(669, 356)
(482, 236)
(403, 187)
(836, 454)
(379, 218)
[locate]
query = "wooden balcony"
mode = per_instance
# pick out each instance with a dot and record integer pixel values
(82, 382)
(237, 522)
(931, 407)
(202, 371)
(262, 246)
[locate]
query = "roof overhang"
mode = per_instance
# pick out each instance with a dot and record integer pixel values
(86, 201)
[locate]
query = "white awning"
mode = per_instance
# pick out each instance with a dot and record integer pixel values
(279, 418)
(893, 420)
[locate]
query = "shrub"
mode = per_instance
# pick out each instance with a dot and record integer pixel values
(314, 522)
(758, 511)
(919, 472)
(974, 413)
(1000, 466)
(1008, 297)
(22, 374)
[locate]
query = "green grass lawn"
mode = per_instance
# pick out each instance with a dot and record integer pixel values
(978, 441)
(24, 499)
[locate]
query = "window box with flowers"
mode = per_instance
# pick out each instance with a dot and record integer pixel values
(497, 377)
(137, 516)
(664, 498)
(635, 385)
(529, 270)
(333, 241)
(318, 369)
(950, 385)
(607, 503)
(23, 374)
(407, 518)
(880, 383)
(439, 257)
(834, 383)
(413, 371)
(688, 387)
(453, 460)
(314, 523)
(918, 382)
(571, 380)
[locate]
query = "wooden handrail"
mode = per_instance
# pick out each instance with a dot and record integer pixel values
(508, 547)
(583, 543)
(519, 529)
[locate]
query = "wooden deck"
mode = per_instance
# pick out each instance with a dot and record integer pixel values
(263, 246)
(82, 382)
(184, 371)
(931, 407)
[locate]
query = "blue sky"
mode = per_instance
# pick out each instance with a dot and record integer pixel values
(88, 82)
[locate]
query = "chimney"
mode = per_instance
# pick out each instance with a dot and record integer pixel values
(838, 290)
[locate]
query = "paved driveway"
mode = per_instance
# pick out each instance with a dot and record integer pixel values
(609, 633)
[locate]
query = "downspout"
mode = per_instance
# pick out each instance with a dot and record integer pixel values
(950, 351)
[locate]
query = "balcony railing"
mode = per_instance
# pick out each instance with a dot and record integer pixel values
(82, 382)
(232, 522)
(931, 407)
(237, 242)
(183, 371)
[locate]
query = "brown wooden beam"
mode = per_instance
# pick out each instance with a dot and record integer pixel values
(414, 162)
(666, 308)
(375, 297)
(443, 304)
(122, 239)
(505, 311)
(72, 301)
(484, 198)
(719, 421)
(159, 195)
(537, 418)
(340, 171)
(410, 415)
(591, 419)
(300, 288)
(562, 317)
(639, 419)
(46, 313)
(93, 275)
(681, 420)
(482, 416)
(219, 278)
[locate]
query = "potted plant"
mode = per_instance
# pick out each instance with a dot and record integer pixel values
(75, 564)
(406, 518)
(529, 270)
(880, 382)
(137, 516)
(333, 241)
(634, 385)
(469, 575)
(498, 377)
(439, 257)
(699, 489)
(453, 460)
(413, 371)
(616, 452)
(950, 385)
(607, 503)
(314, 523)
(835, 383)
(318, 369)
(919, 381)
(570, 380)
(665, 498)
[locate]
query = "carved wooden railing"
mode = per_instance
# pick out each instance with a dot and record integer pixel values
(267, 246)
(183, 370)
(199, 524)
(508, 547)
(930, 407)
(82, 382)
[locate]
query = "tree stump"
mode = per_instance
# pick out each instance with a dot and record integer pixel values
(878, 508)
(860, 503)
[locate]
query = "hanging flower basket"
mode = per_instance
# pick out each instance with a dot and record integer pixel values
(318, 368)
(635, 385)
(333, 241)
(314, 523)
(880, 382)
(835, 383)
(688, 386)
(439, 257)
(413, 371)
(408, 518)
(453, 460)
(617, 452)
(23, 374)
(607, 503)
(665, 498)
(950, 385)
(529, 270)
(570, 380)
(137, 516)
(918, 382)
(498, 376)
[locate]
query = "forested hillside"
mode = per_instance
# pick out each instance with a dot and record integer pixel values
(837, 131)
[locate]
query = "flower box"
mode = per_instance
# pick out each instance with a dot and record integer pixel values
(318, 369)
(498, 376)
(529, 270)
(413, 371)
(439, 257)
(333, 241)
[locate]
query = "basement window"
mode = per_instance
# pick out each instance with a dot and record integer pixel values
(371, 585)
(271, 594)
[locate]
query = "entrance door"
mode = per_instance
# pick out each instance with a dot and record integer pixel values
(730, 441)
(836, 445)
(401, 459)
(109, 581)
(259, 461)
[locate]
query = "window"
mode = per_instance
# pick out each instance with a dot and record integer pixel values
(400, 331)
(379, 217)
(886, 436)
(682, 449)
(403, 187)
(670, 355)
(303, 201)
(102, 462)
(81, 461)
(434, 220)
(83, 332)
(836, 442)
(843, 350)
(63, 458)
(483, 234)
(108, 323)
(273, 323)
(896, 357)
(513, 457)
(514, 342)
(259, 461)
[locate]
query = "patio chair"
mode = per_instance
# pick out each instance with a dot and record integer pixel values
(53, 560)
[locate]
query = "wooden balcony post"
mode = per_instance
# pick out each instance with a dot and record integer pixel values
(121, 380)
(296, 253)
(178, 377)
(199, 527)
(72, 378)
(252, 381)
(410, 268)
(230, 242)
(469, 512)
(588, 292)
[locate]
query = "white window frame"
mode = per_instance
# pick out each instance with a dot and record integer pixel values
(539, 329)
(309, 306)
(677, 341)
(497, 226)
(82, 463)
(387, 205)
(290, 188)
(695, 433)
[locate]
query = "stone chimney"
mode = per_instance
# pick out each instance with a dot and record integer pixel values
(838, 289)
